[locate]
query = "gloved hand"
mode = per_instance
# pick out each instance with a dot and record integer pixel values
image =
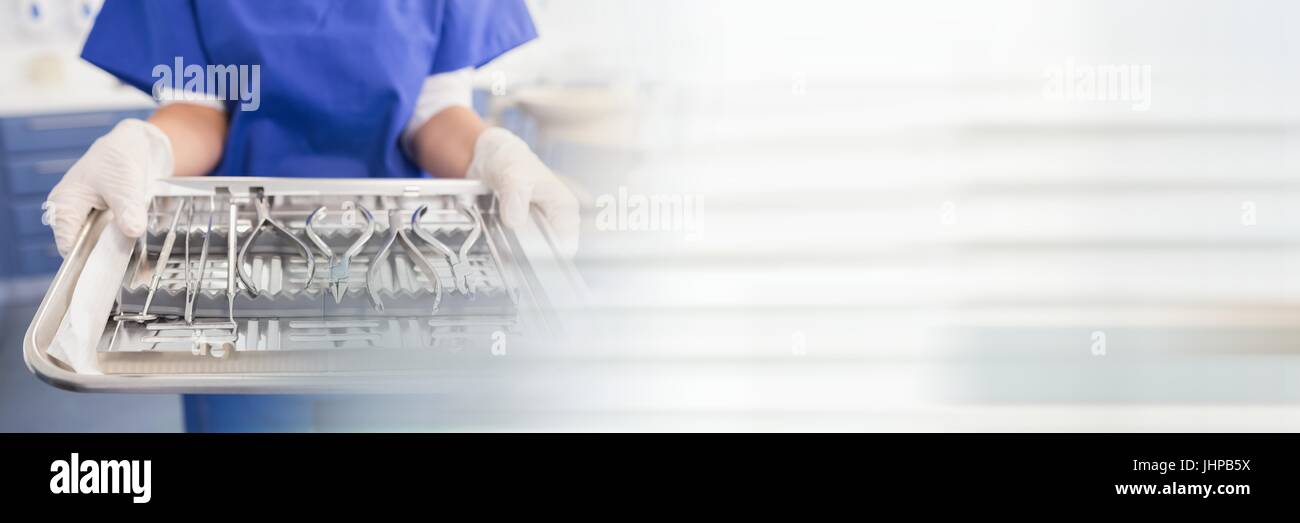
(114, 174)
(506, 164)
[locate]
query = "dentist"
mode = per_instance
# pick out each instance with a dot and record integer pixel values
(345, 89)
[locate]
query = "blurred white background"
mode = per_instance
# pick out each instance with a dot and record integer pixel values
(898, 228)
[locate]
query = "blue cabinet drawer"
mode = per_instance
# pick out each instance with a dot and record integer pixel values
(27, 220)
(37, 177)
(59, 131)
(38, 258)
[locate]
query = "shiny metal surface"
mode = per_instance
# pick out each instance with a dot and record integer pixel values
(535, 277)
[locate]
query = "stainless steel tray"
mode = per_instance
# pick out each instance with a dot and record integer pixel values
(458, 338)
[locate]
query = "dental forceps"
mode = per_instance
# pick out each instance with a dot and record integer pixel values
(159, 268)
(264, 220)
(194, 286)
(205, 334)
(461, 271)
(340, 266)
(395, 235)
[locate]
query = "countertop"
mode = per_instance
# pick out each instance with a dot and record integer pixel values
(67, 99)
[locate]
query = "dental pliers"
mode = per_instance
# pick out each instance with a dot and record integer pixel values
(461, 271)
(396, 234)
(340, 266)
(265, 220)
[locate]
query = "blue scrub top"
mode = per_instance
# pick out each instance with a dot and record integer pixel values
(338, 78)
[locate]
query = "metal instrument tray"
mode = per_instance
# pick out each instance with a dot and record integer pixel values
(404, 285)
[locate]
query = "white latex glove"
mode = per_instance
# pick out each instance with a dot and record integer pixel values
(114, 174)
(505, 163)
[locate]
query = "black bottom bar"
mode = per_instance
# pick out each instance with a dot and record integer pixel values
(325, 472)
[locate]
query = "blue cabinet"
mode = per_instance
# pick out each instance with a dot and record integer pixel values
(59, 131)
(36, 176)
(35, 151)
(27, 224)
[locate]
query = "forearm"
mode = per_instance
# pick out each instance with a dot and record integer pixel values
(197, 135)
(444, 145)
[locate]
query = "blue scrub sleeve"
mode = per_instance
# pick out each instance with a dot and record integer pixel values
(132, 37)
(475, 32)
